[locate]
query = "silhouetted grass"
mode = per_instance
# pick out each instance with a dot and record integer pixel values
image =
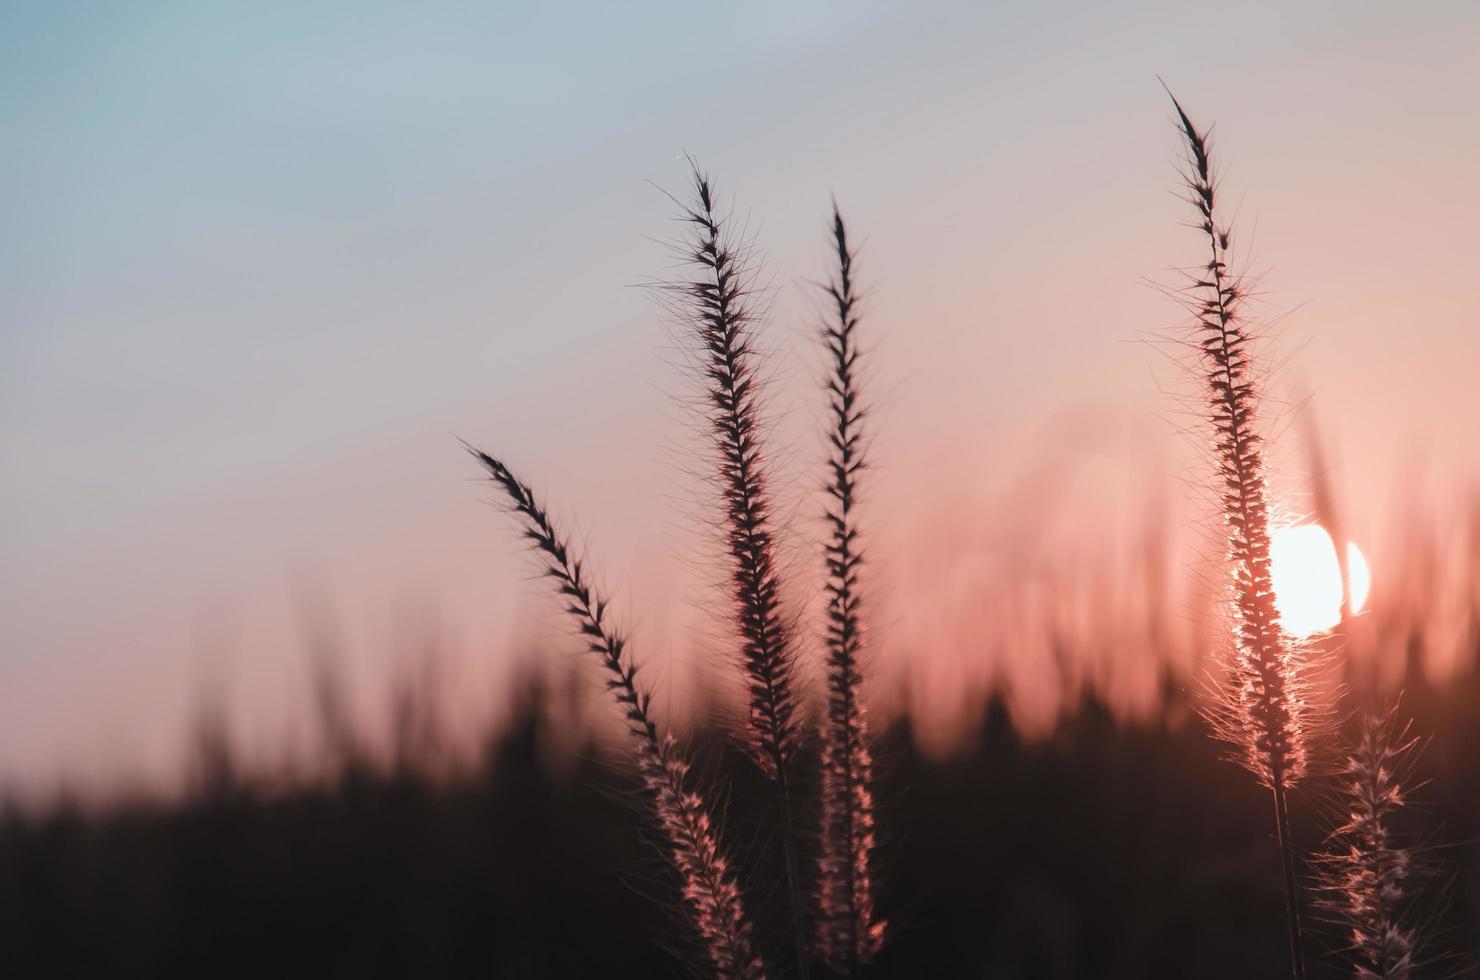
(711, 897)
(848, 932)
(1264, 708)
(717, 306)
(1369, 871)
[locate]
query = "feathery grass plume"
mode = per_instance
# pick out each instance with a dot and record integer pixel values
(1265, 710)
(711, 897)
(719, 308)
(1368, 875)
(717, 304)
(847, 932)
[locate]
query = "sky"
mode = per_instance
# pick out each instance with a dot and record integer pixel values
(261, 265)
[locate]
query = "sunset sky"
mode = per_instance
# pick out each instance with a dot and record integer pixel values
(262, 264)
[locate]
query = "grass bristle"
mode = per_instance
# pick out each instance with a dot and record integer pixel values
(847, 931)
(1369, 875)
(711, 897)
(1264, 709)
(716, 305)
(719, 310)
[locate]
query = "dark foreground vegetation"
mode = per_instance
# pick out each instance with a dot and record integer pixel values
(1104, 852)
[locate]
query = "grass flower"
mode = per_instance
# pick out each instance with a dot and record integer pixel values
(847, 931)
(711, 897)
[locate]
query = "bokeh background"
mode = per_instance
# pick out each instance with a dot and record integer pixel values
(262, 264)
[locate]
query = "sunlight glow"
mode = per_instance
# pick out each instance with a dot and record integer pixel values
(1358, 576)
(1307, 578)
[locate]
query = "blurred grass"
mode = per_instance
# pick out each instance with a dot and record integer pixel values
(1104, 851)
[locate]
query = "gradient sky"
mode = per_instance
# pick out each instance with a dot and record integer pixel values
(259, 263)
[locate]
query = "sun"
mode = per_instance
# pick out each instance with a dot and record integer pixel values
(1307, 578)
